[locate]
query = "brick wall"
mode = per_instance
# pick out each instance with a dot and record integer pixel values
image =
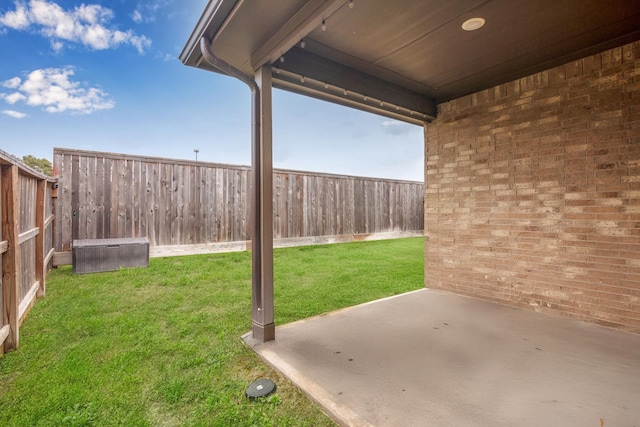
(532, 192)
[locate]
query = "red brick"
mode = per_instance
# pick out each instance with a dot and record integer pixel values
(533, 192)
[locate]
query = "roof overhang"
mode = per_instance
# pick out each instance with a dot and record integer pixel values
(401, 58)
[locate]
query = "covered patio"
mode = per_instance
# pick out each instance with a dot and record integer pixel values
(433, 358)
(531, 133)
(532, 166)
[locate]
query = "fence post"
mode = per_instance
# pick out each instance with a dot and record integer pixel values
(40, 218)
(11, 258)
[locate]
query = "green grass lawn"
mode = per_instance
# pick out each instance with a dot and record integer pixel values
(161, 346)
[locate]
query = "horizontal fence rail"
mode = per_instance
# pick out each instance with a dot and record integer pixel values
(176, 202)
(26, 243)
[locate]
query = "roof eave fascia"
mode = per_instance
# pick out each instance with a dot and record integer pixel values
(210, 22)
(309, 17)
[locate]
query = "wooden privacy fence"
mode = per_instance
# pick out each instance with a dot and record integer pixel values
(175, 202)
(26, 243)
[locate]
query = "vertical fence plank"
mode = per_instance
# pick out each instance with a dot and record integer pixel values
(11, 258)
(49, 228)
(150, 177)
(299, 206)
(109, 185)
(359, 213)
(85, 201)
(227, 212)
(164, 205)
(124, 199)
(153, 189)
(178, 205)
(140, 218)
(219, 204)
(206, 194)
(133, 199)
(99, 206)
(75, 196)
(349, 202)
(40, 237)
(63, 215)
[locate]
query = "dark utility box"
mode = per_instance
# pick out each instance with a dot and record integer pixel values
(93, 255)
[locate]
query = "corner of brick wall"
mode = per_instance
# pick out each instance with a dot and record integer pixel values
(532, 192)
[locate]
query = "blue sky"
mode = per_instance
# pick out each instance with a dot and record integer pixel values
(105, 76)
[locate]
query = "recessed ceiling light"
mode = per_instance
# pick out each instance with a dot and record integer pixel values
(472, 24)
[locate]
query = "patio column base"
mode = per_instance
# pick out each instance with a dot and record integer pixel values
(264, 333)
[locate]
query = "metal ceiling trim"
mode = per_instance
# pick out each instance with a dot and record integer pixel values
(300, 62)
(282, 82)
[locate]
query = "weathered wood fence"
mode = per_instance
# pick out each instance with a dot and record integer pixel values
(26, 243)
(175, 202)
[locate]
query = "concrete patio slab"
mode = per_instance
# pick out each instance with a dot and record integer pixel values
(430, 358)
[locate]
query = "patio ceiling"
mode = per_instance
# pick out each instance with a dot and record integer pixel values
(401, 58)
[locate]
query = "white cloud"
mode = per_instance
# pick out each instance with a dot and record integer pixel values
(11, 83)
(136, 16)
(57, 45)
(146, 11)
(139, 42)
(94, 14)
(14, 114)
(393, 127)
(17, 19)
(388, 123)
(166, 57)
(52, 89)
(85, 24)
(14, 97)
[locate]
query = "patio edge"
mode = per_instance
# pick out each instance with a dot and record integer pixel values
(335, 410)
